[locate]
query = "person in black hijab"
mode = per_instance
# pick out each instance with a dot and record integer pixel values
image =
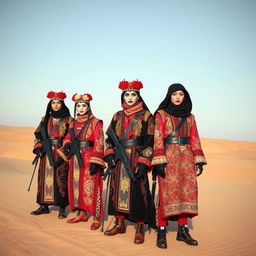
(53, 171)
(182, 110)
(177, 160)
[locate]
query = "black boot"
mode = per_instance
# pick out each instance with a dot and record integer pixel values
(62, 213)
(43, 209)
(183, 235)
(161, 238)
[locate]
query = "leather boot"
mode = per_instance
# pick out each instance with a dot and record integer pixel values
(161, 238)
(43, 209)
(183, 235)
(62, 212)
(119, 228)
(139, 234)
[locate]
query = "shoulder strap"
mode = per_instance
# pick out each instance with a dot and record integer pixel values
(55, 128)
(178, 127)
(86, 124)
(132, 124)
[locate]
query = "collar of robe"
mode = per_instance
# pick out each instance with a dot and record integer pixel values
(132, 109)
(83, 118)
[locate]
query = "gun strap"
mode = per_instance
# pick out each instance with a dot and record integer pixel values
(178, 127)
(86, 124)
(136, 117)
(55, 128)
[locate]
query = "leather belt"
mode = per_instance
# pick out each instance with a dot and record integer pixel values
(86, 143)
(137, 142)
(176, 140)
(55, 141)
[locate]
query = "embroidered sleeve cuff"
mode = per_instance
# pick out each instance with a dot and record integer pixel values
(39, 145)
(97, 160)
(144, 160)
(200, 159)
(109, 151)
(159, 160)
(65, 142)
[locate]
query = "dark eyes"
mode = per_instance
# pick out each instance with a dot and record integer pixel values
(82, 105)
(132, 94)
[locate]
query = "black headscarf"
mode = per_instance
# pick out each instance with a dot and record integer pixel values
(62, 113)
(140, 99)
(182, 110)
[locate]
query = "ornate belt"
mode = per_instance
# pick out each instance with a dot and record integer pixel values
(55, 141)
(86, 143)
(176, 140)
(137, 142)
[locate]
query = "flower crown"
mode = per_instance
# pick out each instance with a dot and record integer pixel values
(56, 95)
(82, 97)
(130, 86)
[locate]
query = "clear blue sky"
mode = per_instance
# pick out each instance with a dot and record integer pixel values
(89, 46)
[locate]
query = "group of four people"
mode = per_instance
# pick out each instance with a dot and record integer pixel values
(72, 162)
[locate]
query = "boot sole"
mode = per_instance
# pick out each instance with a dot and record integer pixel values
(181, 240)
(114, 234)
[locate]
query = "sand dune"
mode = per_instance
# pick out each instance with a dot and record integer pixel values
(225, 225)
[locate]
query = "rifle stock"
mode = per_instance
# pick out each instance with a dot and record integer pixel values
(75, 149)
(120, 153)
(46, 146)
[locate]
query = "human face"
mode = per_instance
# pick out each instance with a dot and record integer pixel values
(130, 97)
(177, 97)
(82, 108)
(56, 105)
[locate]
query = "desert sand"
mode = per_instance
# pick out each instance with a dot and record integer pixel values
(225, 225)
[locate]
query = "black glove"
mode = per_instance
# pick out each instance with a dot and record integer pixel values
(58, 162)
(159, 169)
(94, 168)
(110, 160)
(37, 151)
(102, 173)
(200, 168)
(141, 170)
(66, 149)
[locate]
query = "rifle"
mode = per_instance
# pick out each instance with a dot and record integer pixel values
(35, 162)
(75, 149)
(153, 191)
(106, 197)
(46, 146)
(120, 153)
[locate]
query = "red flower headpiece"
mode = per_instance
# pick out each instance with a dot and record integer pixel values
(56, 95)
(130, 86)
(82, 97)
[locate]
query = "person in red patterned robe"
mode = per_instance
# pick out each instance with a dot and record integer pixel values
(177, 161)
(52, 177)
(134, 127)
(85, 182)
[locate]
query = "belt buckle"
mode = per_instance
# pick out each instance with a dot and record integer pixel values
(180, 141)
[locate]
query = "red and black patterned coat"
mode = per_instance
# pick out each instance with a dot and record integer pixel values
(178, 191)
(85, 191)
(127, 197)
(52, 182)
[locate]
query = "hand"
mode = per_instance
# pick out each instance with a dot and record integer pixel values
(159, 170)
(66, 149)
(141, 170)
(199, 168)
(38, 151)
(94, 168)
(58, 162)
(110, 160)
(102, 173)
